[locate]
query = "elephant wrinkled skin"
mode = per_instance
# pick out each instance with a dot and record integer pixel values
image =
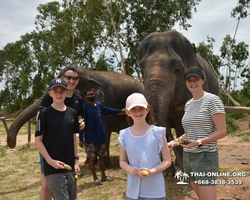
(112, 89)
(163, 58)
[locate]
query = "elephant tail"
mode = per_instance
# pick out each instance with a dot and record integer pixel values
(19, 121)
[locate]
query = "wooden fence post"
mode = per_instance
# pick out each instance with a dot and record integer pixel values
(29, 131)
(5, 124)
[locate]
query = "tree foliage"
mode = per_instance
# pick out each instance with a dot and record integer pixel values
(206, 50)
(242, 10)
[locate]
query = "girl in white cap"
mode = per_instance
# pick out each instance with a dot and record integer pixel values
(144, 153)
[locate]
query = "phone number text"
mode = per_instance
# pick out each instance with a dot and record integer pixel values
(219, 182)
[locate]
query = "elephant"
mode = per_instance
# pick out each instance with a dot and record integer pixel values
(112, 89)
(163, 59)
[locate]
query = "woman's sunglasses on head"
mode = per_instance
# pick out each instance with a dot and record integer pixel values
(71, 77)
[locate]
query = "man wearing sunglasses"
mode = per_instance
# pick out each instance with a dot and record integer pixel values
(73, 100)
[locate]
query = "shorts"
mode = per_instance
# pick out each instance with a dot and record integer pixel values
(41, 163)
(204, 166)
(96, 149)
(143, 198)
(62, 186)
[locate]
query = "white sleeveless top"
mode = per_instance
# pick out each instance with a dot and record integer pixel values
(144, 151)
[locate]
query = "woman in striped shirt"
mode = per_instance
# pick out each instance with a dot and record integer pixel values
(204, 123)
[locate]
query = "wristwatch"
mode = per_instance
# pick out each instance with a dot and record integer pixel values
(77, 157)
(199, 143)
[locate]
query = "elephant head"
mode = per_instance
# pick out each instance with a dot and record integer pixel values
(164, 56)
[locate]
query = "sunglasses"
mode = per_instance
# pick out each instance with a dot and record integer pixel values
(71, 77)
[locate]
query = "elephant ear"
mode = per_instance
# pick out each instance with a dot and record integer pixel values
(99, 95)
(194, 47)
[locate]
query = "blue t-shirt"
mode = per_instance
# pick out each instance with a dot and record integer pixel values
(94, 128)
(144, 151)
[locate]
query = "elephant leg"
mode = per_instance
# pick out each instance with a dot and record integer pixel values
(171, 170)
(179, 150)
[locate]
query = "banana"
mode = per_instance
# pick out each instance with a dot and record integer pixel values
(144, 172)
(67, 167)
(81, 121)
(178, 140)
(181, 140)
(76, 176)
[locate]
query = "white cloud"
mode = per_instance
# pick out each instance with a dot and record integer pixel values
(213, 18)
(17, 17)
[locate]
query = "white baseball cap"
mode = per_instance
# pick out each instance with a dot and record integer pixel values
(136, 99)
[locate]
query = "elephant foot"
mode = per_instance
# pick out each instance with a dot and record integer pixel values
(170, 172)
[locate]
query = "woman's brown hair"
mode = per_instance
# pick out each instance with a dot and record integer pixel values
(149, 118)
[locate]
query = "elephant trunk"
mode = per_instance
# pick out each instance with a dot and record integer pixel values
(159, 91)
(19, 121)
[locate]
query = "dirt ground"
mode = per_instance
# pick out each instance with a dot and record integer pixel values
(234, 157)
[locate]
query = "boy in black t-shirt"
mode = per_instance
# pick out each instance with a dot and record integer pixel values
(73, 100)
(56, 131)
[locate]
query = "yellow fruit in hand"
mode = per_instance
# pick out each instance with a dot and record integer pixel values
(76, 176)
(144, 172)
(67, 167)
(81, 121)
(181, 140)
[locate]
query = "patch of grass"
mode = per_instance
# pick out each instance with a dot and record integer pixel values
(245, 137)
(173, 190)
(231, 123)
(242, 159)
(20, 173)
(3, 151)
(236, 115)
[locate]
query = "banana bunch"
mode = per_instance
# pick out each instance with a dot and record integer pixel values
(144, 172)
(81, 120)
(181, 140)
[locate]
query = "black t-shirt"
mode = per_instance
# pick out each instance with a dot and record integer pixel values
(58, 128)
(76, 102)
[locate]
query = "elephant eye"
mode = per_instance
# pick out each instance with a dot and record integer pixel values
(178, 71)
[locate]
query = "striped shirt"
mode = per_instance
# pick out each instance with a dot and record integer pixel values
(197, 120)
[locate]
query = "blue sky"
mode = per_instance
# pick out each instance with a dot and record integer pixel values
(212, 18)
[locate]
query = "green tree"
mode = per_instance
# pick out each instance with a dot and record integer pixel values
(15, 58)
(242, 10)
(206, 50)
(235, 58)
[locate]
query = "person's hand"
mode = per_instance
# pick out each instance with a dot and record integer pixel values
(82, 126)
(81, 144)
(144, 172)
(172, 144)
(192, 143)
(57, 164)
(134, 171)
(77, 168)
